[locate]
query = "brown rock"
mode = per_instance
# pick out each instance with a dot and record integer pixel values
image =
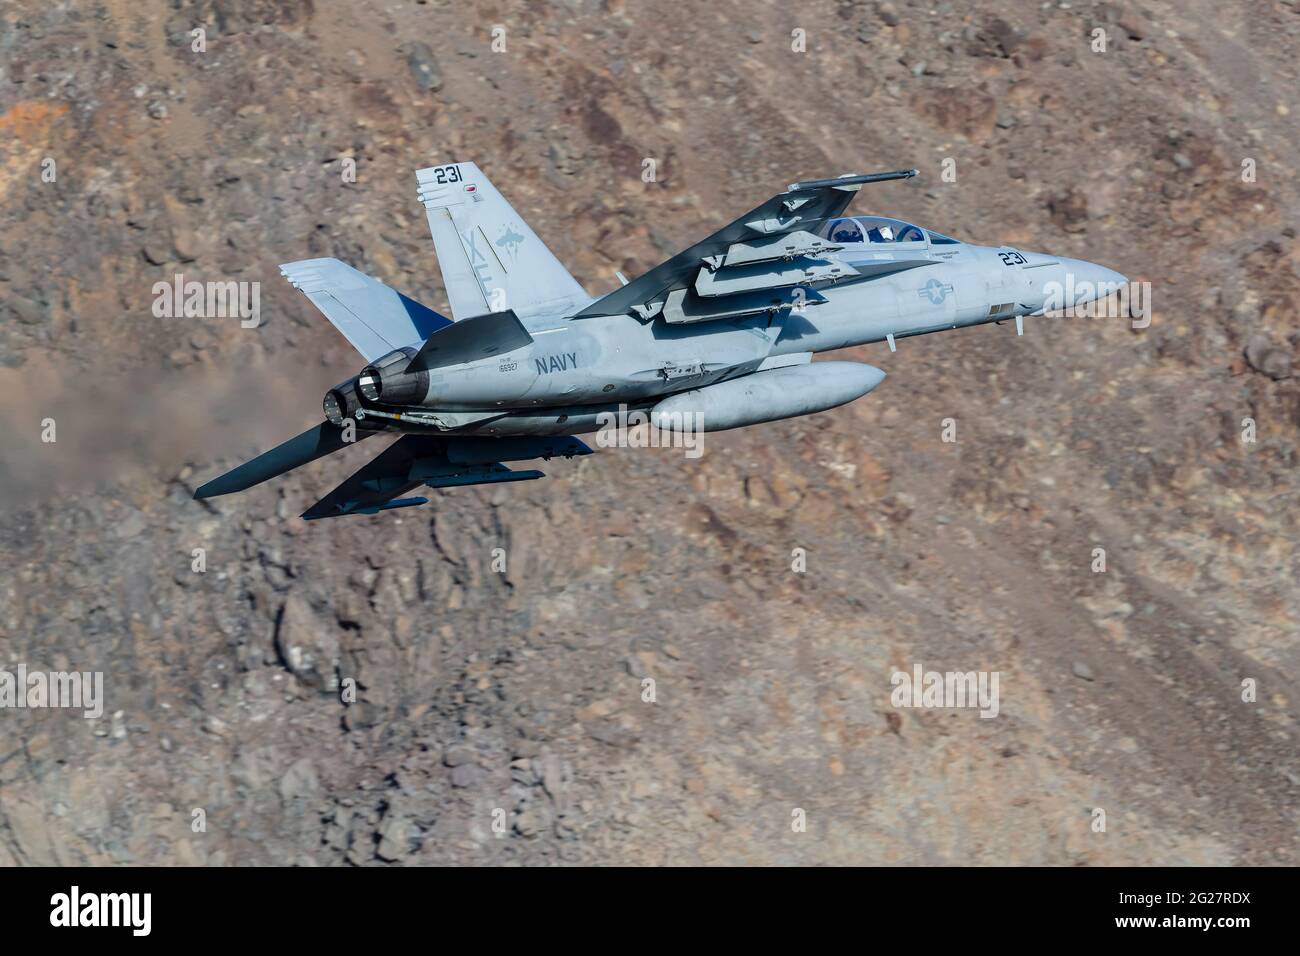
(1267, 358)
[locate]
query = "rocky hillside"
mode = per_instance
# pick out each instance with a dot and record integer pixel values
(499, 717)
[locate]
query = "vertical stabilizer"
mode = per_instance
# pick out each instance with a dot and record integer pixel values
(490, 259)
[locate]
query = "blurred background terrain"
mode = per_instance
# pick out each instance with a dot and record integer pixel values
(522, 692)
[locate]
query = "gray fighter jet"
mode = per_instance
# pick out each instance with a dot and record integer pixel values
(721, 334)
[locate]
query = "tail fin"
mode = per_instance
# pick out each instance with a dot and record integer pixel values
(373, 317)
(491, 261)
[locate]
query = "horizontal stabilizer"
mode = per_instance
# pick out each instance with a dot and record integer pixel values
(317, 442)
(437, 462)
(374, 318)
(471, 339)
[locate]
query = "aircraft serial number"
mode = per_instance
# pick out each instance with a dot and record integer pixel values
(446, 174)
(1012, 258)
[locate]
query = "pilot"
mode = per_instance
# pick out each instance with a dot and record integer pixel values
(881, 233)
(846, 230)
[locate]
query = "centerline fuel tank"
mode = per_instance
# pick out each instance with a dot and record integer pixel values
(768, 396)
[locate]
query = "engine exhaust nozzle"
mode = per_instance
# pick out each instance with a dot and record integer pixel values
(341, 402)
(387, 381)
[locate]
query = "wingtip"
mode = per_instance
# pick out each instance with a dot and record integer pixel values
(208, 489)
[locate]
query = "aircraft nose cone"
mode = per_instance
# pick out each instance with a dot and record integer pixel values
(1091, 275)
(1075, 282)
(1105, 278)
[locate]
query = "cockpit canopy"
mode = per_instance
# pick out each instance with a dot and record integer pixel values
(878, 229)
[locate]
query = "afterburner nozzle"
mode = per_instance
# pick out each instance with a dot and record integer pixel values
(387, 381)
(341, 402)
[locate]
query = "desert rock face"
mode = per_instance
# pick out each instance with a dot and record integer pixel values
(500, 716)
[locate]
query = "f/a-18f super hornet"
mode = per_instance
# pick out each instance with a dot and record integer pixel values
(723, 332)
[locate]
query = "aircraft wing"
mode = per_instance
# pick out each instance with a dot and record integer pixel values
(783, 229)
(438, 462)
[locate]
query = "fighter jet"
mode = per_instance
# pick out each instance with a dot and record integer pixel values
(722, 334)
